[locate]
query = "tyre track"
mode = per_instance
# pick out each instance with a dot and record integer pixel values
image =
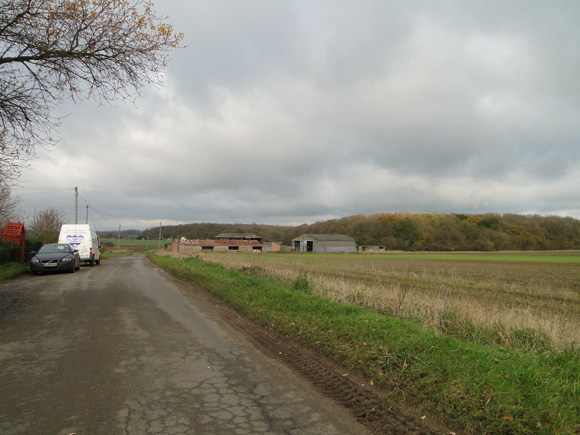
(377, 415)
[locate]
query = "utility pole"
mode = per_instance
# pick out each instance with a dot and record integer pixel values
(76, 205)
(159, 235)
(119, 237)
(87, 215)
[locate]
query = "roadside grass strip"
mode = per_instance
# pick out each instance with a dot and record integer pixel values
(10, 270)
(115, 254)
(477, 388)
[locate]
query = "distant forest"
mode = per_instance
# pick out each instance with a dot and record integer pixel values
(414, 231)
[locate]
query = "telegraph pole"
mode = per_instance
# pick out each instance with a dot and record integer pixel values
(159, 235)
(76, 205)
(87, 215)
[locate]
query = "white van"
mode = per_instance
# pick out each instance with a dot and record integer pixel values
(83, 238)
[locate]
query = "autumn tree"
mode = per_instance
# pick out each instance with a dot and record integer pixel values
(46, 224)
(53, 50)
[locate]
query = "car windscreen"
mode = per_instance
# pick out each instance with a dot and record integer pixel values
(54, 249)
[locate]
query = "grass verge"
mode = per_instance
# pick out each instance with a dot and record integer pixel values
(478, 388)
(10, 270)
(114, 254)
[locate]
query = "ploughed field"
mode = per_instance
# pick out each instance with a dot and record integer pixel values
(484, 297)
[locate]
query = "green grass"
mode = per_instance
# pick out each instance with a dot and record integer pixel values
(112, 254)
(136, 245)
(10, 270)
(478, 388)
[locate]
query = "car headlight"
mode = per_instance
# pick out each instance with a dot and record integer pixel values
(34, 260)
(67, 259)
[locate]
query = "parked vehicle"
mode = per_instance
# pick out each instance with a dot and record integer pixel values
(83, 238)
(55, 257)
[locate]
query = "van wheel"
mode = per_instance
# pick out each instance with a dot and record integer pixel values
(98, 261)
(92, 262)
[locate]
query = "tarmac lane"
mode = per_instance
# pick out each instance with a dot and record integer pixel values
(120, 348)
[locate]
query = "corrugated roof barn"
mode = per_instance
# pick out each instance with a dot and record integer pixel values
(239, 236)
(324, 243)
(190, 246)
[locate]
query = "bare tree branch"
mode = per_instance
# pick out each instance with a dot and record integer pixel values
(52, 50)
(46, 224)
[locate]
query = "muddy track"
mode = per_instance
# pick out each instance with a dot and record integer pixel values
(335, 382)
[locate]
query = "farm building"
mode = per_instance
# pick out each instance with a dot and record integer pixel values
(324, 243)
(239, 236)
(375, 248)
(273, 246)
(185, 246)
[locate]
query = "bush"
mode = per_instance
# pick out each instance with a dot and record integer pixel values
(252, 271)
(31, 244)
(9, 252)
(301, 282)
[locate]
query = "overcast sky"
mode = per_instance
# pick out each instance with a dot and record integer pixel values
(290, 112)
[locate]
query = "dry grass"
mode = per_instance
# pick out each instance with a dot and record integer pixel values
(459, 297)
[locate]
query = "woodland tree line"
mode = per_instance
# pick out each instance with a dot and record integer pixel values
(415, 231)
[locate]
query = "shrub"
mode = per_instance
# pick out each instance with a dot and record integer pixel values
(252, 271)
(301, 282)
(9, 252)
(32, 244)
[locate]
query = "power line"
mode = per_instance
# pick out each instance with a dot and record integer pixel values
(40, 190)
(98, 212)
(37, 190)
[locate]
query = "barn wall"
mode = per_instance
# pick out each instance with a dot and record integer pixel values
(189, 249)
(328, 247)
(325, 247)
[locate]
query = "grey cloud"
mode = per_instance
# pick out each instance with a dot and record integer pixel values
(306, 111)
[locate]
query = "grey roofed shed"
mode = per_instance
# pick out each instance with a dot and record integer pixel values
(324, 243)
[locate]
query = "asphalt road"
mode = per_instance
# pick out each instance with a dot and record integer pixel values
(121, 348)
